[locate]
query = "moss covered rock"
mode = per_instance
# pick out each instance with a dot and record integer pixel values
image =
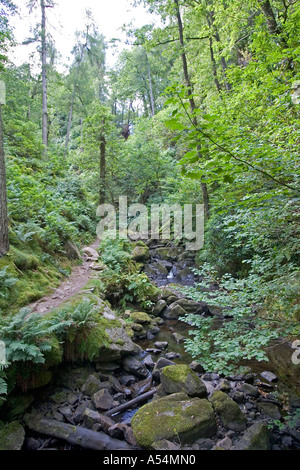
(141, 317)
(17, 404)
(140, 253)
(173, 312)
(12, 436)
(257, 437)
(229, 411)
(173, 417)
(180, 378)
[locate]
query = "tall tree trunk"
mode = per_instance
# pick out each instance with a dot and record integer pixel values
(211, 23)
(204, 189)
(152, 101)
(214, 65)
(4, 242)
(70, 119)
(102, 168)
(44, 76)
(267, 10)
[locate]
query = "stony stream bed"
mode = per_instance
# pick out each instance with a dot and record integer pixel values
(102, 406)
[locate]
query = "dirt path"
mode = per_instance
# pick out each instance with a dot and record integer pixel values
(68, 288)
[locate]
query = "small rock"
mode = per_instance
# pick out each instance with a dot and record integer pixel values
(287, 441)
(127, 380)
(225, 443)
(153, 351)
(103, 400)
(172, 355)
(148, 361)
(32, 444)
(269, 409)
(205, 444)
(178, 338)
(137, 368)
(250, 390)
(90, 418)
(224, 386)
(78, 415)
(90, 252)
(91, 386)
(116, 431)
(269, 376)
(196, 367)
(161, 344)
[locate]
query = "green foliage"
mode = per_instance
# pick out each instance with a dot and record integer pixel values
(122, 281)
(7, 281)
(115, 254)
(243, 330)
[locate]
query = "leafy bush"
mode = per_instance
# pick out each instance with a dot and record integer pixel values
(7, 281)
(116, 254)
(244, 329)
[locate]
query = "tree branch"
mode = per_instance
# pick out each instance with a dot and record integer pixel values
(224, 149)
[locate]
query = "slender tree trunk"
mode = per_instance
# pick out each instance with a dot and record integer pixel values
(204, 189)
(4, 242)
(214, 65)
(152, 101)
(102, 168)
(267, 10)
(81, 135)
(211, 22)
(44, 76)
(70, 119)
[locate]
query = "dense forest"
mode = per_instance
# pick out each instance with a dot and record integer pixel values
(202, 108)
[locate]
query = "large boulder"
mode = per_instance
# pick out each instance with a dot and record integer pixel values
(174, 311)
(141, 317)
(173, 417)
(118, 344)
(191, 306)
(71, 250)
(159, 307)
(180, 378)
(229, 411)
(12, 436)
(140, 253)
(257, 437)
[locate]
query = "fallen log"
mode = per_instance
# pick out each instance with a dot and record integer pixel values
(75, 435)
(131, 403)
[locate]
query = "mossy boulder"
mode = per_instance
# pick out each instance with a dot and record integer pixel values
(91, 386)
(180, 378)
(141, 317)
(33, 378)
(257, 437)
(12, 436)
(140, 253)
(229, 411)
(173, 417)
(159, 307)
(17, 404)
(173, 312)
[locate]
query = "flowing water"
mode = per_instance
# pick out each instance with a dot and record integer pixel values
(279, 353)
